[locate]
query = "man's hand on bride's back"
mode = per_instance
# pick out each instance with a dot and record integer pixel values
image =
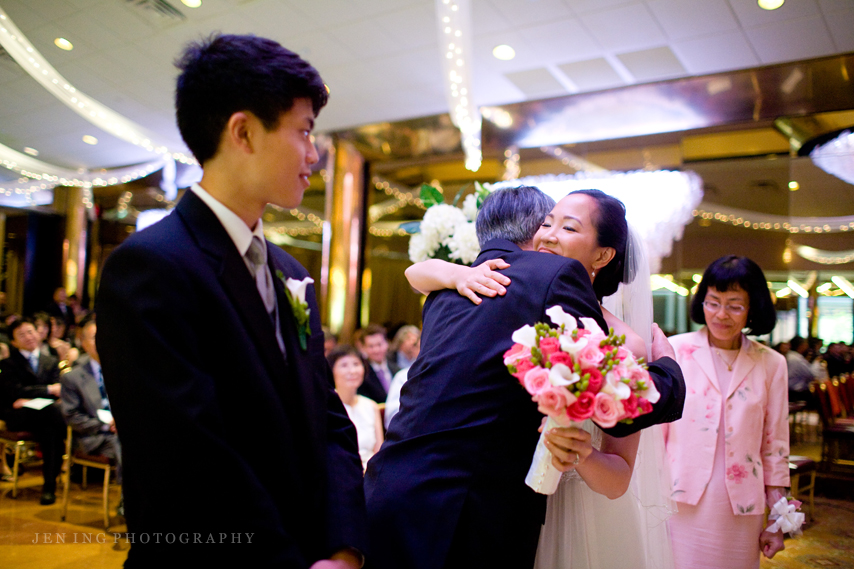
(483, 280)
(660, 345)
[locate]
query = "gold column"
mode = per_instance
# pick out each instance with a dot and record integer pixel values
(342, 240)
(74, 246)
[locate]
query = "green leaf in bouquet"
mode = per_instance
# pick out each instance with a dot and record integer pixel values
(411, 227)
(459, 195)
(444, 253)
(431, 196)
(481, 193)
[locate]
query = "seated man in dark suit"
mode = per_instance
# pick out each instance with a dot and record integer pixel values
(25, 375)
(83, 396)
(372, 342)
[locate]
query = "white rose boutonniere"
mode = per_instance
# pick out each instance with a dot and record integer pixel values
(296, 296)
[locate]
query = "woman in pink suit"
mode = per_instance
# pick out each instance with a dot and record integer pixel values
(729, 452)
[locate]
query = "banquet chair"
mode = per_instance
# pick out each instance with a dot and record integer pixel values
(382, 415)
(798, 466)
(15, 443)
(86, 461)
(837, 444)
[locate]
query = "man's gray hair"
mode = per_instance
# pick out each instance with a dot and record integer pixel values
(513, 214)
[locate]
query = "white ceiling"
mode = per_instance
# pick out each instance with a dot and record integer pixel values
(381, 58)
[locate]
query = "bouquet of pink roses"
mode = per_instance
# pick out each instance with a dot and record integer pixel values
(575, 374)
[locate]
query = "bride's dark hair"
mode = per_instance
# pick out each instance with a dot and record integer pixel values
(611, 231)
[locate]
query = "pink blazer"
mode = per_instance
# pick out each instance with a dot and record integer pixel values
(756, 419)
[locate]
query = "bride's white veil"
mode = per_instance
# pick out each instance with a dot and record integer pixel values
(650, 485)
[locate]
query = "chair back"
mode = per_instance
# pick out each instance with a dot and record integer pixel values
(833, 394)
(840, 383)
(825, 412)
(846, 384)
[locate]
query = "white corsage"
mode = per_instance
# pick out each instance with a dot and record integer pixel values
(786, 517)
(296, 296)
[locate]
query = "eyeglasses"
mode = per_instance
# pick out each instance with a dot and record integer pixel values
(734, 309)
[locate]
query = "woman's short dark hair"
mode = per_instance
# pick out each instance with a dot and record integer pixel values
(225, 74)
(612, 230)
(341, 351)
(732, 272)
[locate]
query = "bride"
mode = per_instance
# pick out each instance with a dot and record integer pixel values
(609, 510)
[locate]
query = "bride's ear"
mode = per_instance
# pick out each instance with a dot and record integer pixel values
(603, 257)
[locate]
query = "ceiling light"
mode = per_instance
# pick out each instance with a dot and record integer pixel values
(63, 43)
(197, 3)
(783, 292)
(89, 139)
(794, 186)
(31, 151)
(770, 4)
(504, 52)
(795, 286)
(824, 288)
(844, 284)
(696, 277)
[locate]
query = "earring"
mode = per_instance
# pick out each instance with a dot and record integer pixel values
(593, 273)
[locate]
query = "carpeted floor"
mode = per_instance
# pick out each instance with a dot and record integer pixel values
(826, 542)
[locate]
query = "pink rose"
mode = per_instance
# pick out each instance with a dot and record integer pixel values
(536, 380)
(553, 401)
(561, 358)
(644, 405)
(549, 346)
(582, 408)
(637, 374)
(590, 355)
(522, 368)
(516, 353)
(595, 382)
(606, 410)
(630, 407)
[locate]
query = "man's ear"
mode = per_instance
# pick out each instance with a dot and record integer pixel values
(603, 257)
(238, 132)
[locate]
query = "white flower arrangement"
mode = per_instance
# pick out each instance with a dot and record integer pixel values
(447, 232)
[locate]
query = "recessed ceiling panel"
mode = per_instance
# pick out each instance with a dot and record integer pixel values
(592, 74)
(537, 83)
(652, 64)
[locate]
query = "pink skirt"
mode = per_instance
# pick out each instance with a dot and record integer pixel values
(710, 536)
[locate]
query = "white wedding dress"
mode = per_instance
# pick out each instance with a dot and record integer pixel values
(586, 530)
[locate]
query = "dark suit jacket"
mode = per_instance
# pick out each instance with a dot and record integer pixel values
(372, 387)
(220, 434)
(447, 489)
(79, 403)
(19, 381)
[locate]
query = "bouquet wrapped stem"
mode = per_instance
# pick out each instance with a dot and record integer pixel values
(543, 477)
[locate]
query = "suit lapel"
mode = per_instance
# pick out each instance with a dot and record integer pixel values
(703, 356)
(236, 281)
(744, 363)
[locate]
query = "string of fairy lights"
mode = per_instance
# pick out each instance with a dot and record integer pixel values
(767, 222)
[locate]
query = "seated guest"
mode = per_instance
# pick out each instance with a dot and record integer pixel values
(406, 345)
(800, 371)
(61, 309)
(373, 344)
(392, 402)
(83, 396)
(837, 362)
(25, 375)
(348, 371)
(330, 340)
(57, 343)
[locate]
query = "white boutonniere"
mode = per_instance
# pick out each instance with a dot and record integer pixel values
(296, 296)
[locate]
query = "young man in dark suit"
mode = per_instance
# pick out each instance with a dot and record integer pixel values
(447, 489)
(245, 453)
(25, 375)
